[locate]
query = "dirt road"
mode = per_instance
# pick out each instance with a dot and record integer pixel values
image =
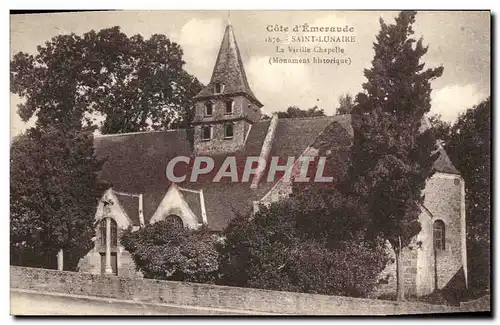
(24, 302)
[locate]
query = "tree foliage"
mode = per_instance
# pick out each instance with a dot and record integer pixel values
(469, 148)
(346, 104)
(53, 192)
(391, 158)
(133, 83)
(298, 245)
(441, 128)
(397, 81)
(295, 111)
(163, 252)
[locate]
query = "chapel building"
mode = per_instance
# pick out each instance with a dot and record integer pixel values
(227, 122)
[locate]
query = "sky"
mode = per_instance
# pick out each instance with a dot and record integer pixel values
(457, 40)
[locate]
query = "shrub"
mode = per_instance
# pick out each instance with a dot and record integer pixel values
(274, 251)
(163, 252)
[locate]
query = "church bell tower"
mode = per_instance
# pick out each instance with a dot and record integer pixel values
(226, 108)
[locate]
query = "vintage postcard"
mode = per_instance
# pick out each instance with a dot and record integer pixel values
(250, 163)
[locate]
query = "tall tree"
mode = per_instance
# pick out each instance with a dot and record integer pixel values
(53, 192)
(469, 147)
(346, 104)
(133, 83)
(391, 159)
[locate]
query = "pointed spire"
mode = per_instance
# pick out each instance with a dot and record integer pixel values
(229, 70)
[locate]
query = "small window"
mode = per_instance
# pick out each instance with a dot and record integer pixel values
(218, 88)
(229, 106)
(209, 108)
(228, 131)
(114, 233)
(102, 227)
(174, 221)
(206, 133)
(439, 235)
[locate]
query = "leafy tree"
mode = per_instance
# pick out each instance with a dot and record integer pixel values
(53, 194)
(164, 252)
(346, 105)
(135, 84)
(469, 147)
(294, 111)
(391, 158)
(441, 128)
(285, 247)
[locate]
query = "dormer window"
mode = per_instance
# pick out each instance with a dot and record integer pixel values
(228, 131)
(206, 133)
(229, 106)
(218, 88)
(209, 106)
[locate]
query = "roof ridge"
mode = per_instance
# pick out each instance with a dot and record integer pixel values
(134, 133)
(311, 117)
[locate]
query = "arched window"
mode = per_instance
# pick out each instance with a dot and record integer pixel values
(209, 106)
(114, 232)
(102, 228)
(218, 88)
(439, 234)
(228, 131)
(229, 106)
(206, 133)
(175, 221)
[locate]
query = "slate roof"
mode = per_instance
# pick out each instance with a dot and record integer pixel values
(229, 70)
(130, 206)
(193, 200)
(294, 135)
(443, 162)
(137, 163)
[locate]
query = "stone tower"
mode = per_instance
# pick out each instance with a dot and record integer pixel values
(226, 108)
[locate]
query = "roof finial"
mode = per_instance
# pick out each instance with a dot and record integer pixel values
(229, 17)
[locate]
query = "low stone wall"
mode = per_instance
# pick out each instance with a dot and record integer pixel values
(481, 304)
(203, 295)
